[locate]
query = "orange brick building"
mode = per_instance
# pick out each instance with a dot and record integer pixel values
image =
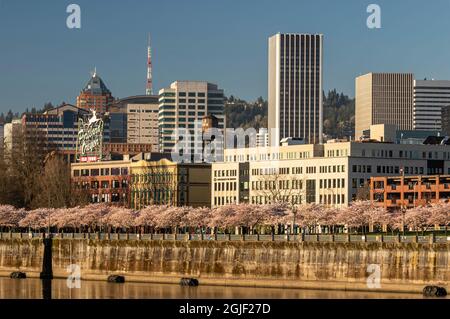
(409, 191)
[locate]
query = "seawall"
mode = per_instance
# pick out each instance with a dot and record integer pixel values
(405, 267)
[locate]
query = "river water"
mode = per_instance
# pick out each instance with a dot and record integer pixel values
(33, 289)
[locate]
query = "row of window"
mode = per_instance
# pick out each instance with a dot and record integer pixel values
(337, 153)
(362, 169)
(293, 199)
(264, 157)
(332, 199)
(225, 173)
(273, 185)
(224, 200)
(225, 186)
(107, 198)
(332, 183)
(192, 94)
(200, 101)
(115, 184)
(114, 171)
(332, 169)
(406, 154)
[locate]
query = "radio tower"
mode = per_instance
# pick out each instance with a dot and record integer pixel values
(149, 87)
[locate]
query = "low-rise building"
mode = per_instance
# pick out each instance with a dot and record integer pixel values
(396, 192)
(164, 182)
(107, 181)
(146, 179)
(330, 174)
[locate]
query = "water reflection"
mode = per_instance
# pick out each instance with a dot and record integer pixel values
(46, 289)
(57, 289)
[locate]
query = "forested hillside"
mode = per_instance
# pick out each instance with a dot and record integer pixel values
(338, 114)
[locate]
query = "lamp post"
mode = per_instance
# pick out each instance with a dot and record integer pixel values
(294, 213)
(414, 193)
(47, 270)
(403, 208)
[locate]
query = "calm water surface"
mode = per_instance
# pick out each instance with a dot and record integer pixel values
(33, 289)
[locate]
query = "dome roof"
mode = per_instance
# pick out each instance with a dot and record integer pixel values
(96, 86)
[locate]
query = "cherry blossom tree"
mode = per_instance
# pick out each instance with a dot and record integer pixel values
(173, 217)
(121, 217)
(418, 218)
(68, 218)
(148, 217)
(38, 218)
(357, 215)
(10, 216)
(278, 213)
(199, 217)
(94, 215)
(313, 216)
(440, 215)
(224, 217)
(395, 221)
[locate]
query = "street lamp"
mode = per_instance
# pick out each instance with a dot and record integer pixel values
(294, 213)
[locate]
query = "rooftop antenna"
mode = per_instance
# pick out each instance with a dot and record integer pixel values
(149, 86)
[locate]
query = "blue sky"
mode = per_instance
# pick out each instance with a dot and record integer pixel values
(224, 42)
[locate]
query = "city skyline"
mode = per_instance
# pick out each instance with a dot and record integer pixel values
(41, 55)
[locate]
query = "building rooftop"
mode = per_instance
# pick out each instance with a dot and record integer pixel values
(96, 86)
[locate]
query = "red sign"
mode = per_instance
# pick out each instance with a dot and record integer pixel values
(89, 159)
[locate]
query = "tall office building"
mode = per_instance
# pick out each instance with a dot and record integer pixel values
(134, 120)
(183, 105)
(95, 95)
(295, 87)
(429, 98)
(383, 98)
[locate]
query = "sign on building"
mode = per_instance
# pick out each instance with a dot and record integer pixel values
(90, 139)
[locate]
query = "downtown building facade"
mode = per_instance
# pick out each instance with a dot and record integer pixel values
(397, 192)
(329, 174)
(430, 99)
(383, 98)
(165, 182)
(55, 129)
(295, 76)
(146, 179)
(134, 122)
(182, 107)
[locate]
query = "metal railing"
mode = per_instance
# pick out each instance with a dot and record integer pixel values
(325, 238)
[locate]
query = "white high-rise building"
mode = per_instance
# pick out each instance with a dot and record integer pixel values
(295, 87)
(429, 98)
(182, 106)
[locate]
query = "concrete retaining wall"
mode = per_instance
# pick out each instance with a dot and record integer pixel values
(404, 266)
